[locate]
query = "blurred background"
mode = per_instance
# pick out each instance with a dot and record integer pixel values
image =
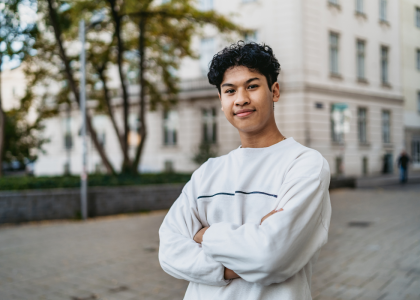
(136, 72)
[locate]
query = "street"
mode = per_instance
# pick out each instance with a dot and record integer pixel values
(373, 253)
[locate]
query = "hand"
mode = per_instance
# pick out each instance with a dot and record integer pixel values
(229, 274)
(198, 238)
(270, 214)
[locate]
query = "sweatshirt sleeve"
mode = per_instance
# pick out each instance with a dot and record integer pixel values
(179, 255)
(285, 242)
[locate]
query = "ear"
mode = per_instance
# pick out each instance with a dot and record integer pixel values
(276, 91)
(220, 98)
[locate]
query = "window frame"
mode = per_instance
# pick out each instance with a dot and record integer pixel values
(418, 59)
(418, 102)
(362, 125)
(384, 63)
(359, 6)
(386, 127)
(336, 137)
(361, 72)
(209, 125)
(334, 53)
(68, 142)
(170, 136)
(206, 56)
(383, 10)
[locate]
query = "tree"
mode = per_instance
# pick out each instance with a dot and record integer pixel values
(16, 40)
(136, 36)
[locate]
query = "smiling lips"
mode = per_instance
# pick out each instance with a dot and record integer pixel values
(244, 112)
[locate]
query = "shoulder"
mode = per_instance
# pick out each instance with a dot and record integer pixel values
(307, 162)
(210, 166)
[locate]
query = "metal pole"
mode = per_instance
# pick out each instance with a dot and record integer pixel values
(83, 174)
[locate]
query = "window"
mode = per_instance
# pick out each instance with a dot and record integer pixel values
(338, 165)
(359, 6)
(169, 166)
(206, 5)
(418, 102)
(209, 125)
(68, 138)
(170, 124)
(100, 124)
(418, 17)
(383, 10)
(384, 65)
(365, 165)
(207, 51)
(334, 53)
(415, 150)
(388, 163)
(361, 59)
(386, 127)
(362, 124)
(252, 36)
(418, 59)
(337, 121)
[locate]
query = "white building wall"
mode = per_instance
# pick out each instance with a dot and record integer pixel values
(410, 42)
(298, 32)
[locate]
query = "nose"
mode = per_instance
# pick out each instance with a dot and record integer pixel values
(242, 97)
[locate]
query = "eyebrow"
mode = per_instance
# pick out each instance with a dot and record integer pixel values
(248, 81)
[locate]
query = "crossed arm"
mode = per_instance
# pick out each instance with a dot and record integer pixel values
(269, 252)
(228, 273)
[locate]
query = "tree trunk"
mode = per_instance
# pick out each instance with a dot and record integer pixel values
(2, 123)
(142, 130)
(72, 83)
(110, 112)
(117, 20)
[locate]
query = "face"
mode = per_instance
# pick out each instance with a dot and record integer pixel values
(247, 100)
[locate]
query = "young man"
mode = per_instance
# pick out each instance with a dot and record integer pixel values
(250, 224)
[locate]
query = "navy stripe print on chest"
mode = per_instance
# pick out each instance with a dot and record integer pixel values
(237, 192)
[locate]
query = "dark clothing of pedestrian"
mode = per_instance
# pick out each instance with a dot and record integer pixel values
(403, 161)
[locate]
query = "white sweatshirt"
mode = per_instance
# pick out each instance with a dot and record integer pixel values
(231, 194)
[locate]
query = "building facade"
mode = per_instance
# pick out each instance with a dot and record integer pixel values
(341, 91)
(410, 56)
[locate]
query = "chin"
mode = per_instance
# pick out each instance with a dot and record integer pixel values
(249, 128)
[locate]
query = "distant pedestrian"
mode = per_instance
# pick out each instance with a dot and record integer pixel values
(403, 161)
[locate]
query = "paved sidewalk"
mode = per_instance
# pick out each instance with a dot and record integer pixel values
(373, 253)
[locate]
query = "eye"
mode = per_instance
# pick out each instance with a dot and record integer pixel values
(230, 91)
(253, 86)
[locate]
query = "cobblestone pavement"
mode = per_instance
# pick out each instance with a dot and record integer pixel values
(373, 253)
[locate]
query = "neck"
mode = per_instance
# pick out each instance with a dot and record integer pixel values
(261, 139)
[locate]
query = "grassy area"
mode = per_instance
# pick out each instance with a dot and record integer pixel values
(28, 182)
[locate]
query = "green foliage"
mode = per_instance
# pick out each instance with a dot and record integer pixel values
(168, 32)
(21, 137)
(204, 151)
(16, 35)
(28, 182)
(18, 137)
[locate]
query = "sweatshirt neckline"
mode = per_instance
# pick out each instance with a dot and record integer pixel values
(266, 150)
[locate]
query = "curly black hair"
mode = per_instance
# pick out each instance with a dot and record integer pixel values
(256, 57)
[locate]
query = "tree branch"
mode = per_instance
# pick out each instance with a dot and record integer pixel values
(101, 71)
(120, 47)
(142, 130)
(72, 84)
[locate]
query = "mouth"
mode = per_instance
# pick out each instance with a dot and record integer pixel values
(244, 112)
